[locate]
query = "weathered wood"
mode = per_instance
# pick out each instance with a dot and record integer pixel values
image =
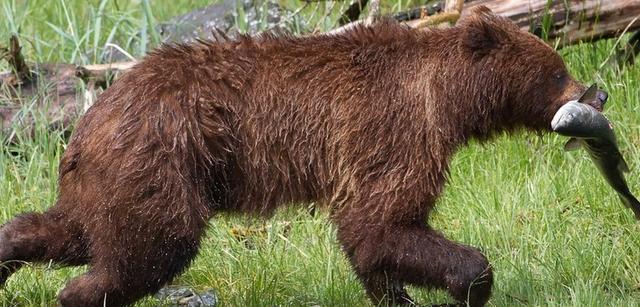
(561, 22)
(102, 74)
(570, 21)
(451, 14)
(51, 90)
(19, 68)
(453, 5)
(418, 12)
(374, 11)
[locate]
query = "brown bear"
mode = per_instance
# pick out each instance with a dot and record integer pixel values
(365, 121)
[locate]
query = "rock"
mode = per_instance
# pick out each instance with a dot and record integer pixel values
(185, 296)
(259, 15)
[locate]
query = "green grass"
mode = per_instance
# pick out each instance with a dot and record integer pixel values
(555, 233)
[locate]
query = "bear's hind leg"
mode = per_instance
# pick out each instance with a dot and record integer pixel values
(119, 282)
(134, 257)
(40, 237)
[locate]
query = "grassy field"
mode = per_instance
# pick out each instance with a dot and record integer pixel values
(554, 232)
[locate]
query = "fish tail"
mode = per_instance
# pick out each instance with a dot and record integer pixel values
(630, 201)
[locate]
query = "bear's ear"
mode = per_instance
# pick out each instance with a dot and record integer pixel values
(482, 31)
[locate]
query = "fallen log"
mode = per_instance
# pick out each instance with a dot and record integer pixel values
(13, 55)
(567, 22)
(560, 22)
(57, 92)
(103, 74)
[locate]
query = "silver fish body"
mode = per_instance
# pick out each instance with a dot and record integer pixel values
(589, 129)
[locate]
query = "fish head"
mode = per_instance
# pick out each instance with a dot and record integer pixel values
(574, 93)
(581, 120)
(564, 118)
(576, 119)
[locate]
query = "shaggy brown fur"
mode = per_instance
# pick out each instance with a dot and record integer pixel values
(365, 121)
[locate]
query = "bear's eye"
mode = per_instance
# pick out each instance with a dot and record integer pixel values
(558, 76)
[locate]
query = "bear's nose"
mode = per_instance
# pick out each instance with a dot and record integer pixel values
(602, 96)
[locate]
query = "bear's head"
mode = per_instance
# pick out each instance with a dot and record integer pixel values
(526, 78)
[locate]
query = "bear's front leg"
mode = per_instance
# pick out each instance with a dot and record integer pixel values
(386, 255)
